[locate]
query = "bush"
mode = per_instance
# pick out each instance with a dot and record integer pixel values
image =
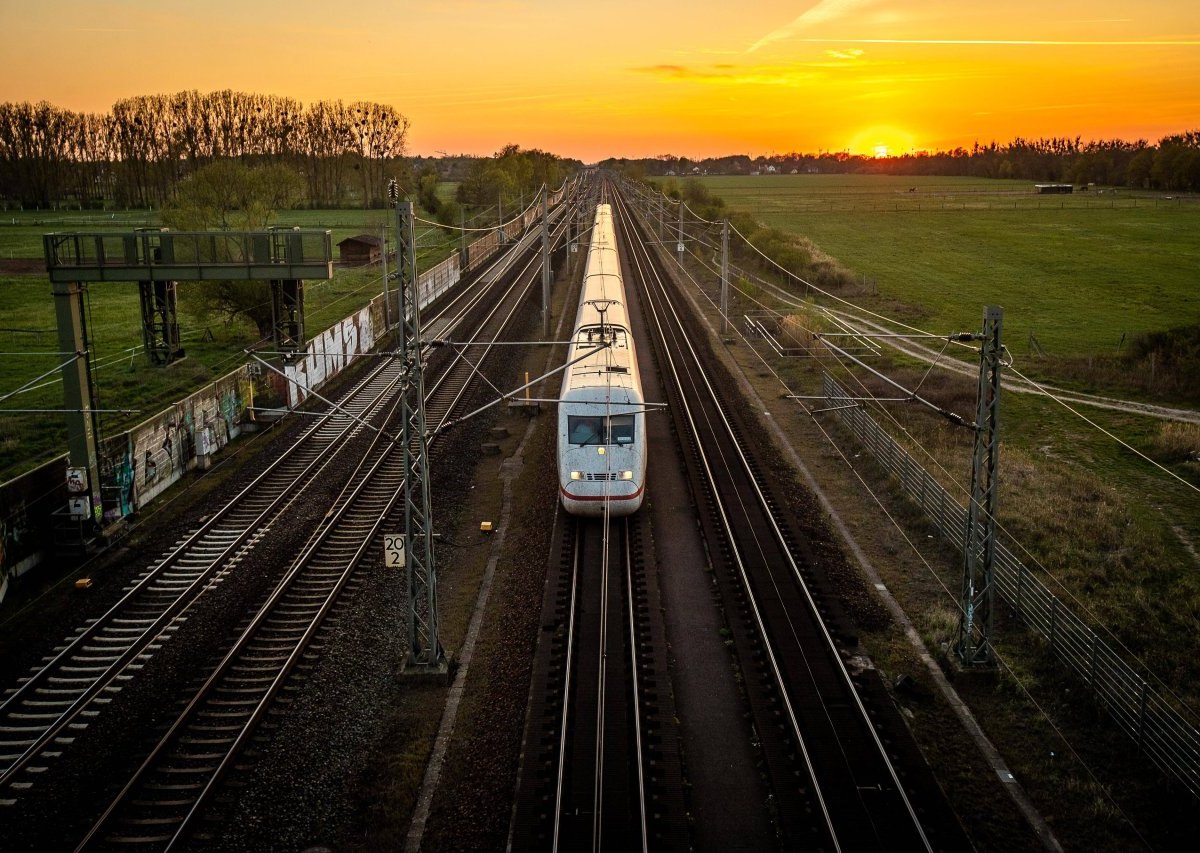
(1176, 442)
(1171, 359)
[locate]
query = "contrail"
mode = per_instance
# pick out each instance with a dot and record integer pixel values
(1019, 42)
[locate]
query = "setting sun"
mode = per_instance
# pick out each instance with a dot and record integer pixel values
(882, 141)
(856, 76)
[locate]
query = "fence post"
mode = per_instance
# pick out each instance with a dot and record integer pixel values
(1020, 584)
(1142, 716)
(1092, 673)
(1053, 619)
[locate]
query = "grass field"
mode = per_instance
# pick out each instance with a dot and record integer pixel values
(124, 377)
(1122, 535)
(1077, 272)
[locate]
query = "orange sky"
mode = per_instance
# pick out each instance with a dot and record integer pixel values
(625, 78)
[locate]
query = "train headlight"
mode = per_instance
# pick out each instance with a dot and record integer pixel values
(600, 450)
(576, 475)
(626, 475)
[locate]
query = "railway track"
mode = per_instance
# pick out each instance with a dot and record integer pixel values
(600, 765)
(95, 665)
(160, 804)
(599, 790)
(457, 376)
(88, 668)
(836, 783)
(600, 771)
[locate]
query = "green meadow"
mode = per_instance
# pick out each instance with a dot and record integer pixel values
(1077, 272)
(124, 378)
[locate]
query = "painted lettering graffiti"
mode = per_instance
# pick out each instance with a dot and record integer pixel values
(328, 353)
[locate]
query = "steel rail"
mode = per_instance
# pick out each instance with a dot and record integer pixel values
(601, 691)
(566, 701)
(769, 515)
(243, 531)
(311, 448)
(365, 478)
(637, 702)
(588, 769)
(376, 475)
(646, 268)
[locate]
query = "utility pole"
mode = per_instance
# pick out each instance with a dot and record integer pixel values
(679, 244)
(974, 643)
(387, 299)
(725, 277)
(570, 216)
(545, 264)
(424, 648)
(83, 435)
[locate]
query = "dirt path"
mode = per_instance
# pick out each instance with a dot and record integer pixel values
(857, 322)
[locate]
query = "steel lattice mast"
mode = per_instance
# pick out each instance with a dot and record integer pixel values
(974, 644)
(424, 647)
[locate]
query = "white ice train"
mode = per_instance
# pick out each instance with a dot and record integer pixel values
(601, 417)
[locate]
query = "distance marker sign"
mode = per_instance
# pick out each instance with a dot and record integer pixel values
(393, 550)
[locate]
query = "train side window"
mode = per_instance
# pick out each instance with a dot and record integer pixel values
(583, 429)
(621, 429)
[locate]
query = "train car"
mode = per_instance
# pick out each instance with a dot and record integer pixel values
(601, 414)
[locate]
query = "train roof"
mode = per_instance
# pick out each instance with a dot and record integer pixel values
(602, 315)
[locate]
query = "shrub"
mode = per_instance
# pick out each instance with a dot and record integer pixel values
(1176, 442)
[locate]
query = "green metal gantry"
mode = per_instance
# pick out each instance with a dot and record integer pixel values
(156, 259)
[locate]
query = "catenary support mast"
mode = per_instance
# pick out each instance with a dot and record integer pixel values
(424, 647)
(974, 644)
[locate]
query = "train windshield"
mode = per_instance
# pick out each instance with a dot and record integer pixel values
(592, 429)
(621, 429)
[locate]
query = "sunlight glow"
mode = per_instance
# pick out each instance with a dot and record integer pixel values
(882, 141)
(857, 76)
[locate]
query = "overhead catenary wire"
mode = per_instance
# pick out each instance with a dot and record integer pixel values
(53, 370)
(869, 396)
(1035, 561)
(1042, 389)
(1059, 583)
(953, 599)
(1097, 426)
(458, 228)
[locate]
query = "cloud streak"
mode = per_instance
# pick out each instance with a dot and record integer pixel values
(765, 75)
(825, 10)
(1017, 42)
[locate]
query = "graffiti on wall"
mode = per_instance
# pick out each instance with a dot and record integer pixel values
(136, 465)
(433, 283)
(328, 353)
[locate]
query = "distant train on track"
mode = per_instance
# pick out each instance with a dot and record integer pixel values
(601, 413)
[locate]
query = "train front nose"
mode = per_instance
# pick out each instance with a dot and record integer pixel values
(589, 480)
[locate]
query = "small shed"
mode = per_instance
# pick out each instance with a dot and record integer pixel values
(1054, 189)
(360, 250)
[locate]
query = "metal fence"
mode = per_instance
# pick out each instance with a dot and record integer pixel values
(1160, 730)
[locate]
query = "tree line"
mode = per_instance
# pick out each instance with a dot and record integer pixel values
(1173, 163)
(136, 154)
